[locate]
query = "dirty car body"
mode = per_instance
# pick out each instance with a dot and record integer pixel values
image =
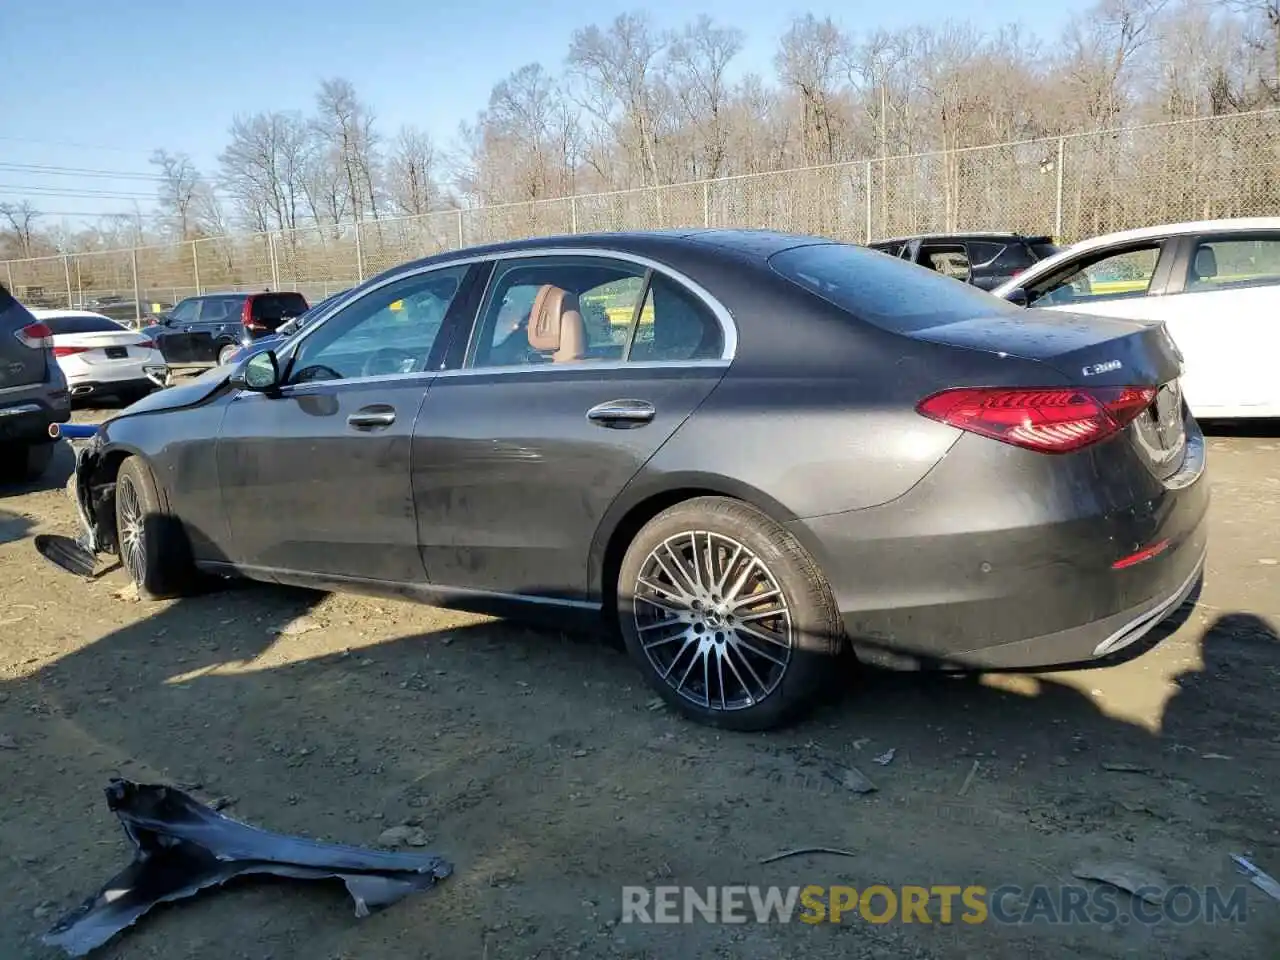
(750, 451)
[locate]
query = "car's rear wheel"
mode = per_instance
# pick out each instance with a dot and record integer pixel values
(727, 615)
(153, 546)
(25, 462)
(226, 353)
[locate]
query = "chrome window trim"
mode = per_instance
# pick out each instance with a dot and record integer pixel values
(728, 326)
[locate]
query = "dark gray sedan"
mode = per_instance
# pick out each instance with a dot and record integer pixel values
(749, 452)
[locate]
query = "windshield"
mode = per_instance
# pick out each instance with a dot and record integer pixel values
(890, 293)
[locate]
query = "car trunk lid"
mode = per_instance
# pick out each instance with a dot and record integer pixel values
(1092, 352)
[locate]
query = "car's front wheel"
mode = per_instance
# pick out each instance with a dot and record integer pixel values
(153, 546)
(727, 615)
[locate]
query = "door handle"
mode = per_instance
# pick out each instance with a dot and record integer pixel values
(622, 413)
(372, 417)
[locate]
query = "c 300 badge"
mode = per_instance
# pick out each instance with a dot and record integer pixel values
(1098, 368)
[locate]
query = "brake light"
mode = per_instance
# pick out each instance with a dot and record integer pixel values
(1044, 419)
(35, 335)
(246, 316)
(68, 351)
(146, 345)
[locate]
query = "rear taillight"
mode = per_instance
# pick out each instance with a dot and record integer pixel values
(68, 351)
(1044, 419)
(246, 316)
(36, 335)
(146, 345)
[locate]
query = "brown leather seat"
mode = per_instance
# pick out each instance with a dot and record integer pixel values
(556, 326)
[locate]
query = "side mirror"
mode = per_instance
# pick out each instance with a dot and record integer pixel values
(259, 373)
(1018, 297)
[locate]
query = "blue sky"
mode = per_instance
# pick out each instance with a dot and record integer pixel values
(97, 86)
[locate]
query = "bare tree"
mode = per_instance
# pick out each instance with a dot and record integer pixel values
(700, 56)
(808, 62)
(620, 67)
(21, 218)
(412, 172)
(345, 124)
(180, 183)
(263, 169)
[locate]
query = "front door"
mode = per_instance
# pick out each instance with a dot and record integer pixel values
(579, 369)
(316, 479)
(174, 341)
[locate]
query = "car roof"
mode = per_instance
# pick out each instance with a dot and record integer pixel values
(1179, 229)
(752, 244)
(967, 235)
(45, 313)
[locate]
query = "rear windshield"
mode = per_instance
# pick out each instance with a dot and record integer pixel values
(892, 294)
(65, 326)
(277, 306)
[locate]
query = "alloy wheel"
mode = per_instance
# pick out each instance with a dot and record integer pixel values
(712, 620)
(133, 549)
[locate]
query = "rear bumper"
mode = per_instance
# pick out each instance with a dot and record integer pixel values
(25, 415)
(949, 575)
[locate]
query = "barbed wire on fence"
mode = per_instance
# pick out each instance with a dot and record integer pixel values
(1069, 187)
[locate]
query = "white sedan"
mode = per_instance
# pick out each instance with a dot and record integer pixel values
(99, 355)
(1215, 284)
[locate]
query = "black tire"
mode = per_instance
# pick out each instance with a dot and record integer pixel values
(25, 462)
(153, 546)
(811, 624)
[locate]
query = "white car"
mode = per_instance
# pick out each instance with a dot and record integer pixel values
(99, 355)
(1215, 284)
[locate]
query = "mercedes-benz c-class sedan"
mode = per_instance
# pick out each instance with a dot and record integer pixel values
(747, 452)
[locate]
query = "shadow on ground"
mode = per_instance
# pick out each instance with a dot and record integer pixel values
(539, 765)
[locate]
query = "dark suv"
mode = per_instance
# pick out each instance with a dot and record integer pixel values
(209, 328)
(33, 392)
(985, 260)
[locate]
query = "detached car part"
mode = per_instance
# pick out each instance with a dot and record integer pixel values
(183, 846)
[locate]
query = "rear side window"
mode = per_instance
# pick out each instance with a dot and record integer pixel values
(1044, 251)
(1244, 262)
(1006, 257)
(221, 309)
(67, 326)
(674, 325)
(893, 295)
(278, 306)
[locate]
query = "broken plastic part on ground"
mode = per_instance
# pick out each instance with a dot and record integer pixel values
(183, 846)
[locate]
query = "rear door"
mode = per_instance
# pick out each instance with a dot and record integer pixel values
(1222, 306)
(220, 321)
(22, 361)
(579, 368)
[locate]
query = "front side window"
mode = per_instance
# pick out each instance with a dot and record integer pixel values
(389, 330)
(1114, 276)
(1245, 262)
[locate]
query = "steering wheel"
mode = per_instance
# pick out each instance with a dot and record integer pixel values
(389, 360)
(317, 372)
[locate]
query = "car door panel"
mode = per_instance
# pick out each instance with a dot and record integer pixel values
(311, 483)
(511, 478)
(315, 477)
(174, 341)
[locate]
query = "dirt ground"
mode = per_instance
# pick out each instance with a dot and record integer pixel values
(543, 769)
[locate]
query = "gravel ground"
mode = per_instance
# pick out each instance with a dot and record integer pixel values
(542, 767)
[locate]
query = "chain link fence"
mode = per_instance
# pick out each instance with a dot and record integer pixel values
(1068, 187)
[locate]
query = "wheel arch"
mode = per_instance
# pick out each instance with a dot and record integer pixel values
(636, 507)
(102, 489)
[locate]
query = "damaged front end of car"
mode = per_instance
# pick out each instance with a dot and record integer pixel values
(92, 489)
